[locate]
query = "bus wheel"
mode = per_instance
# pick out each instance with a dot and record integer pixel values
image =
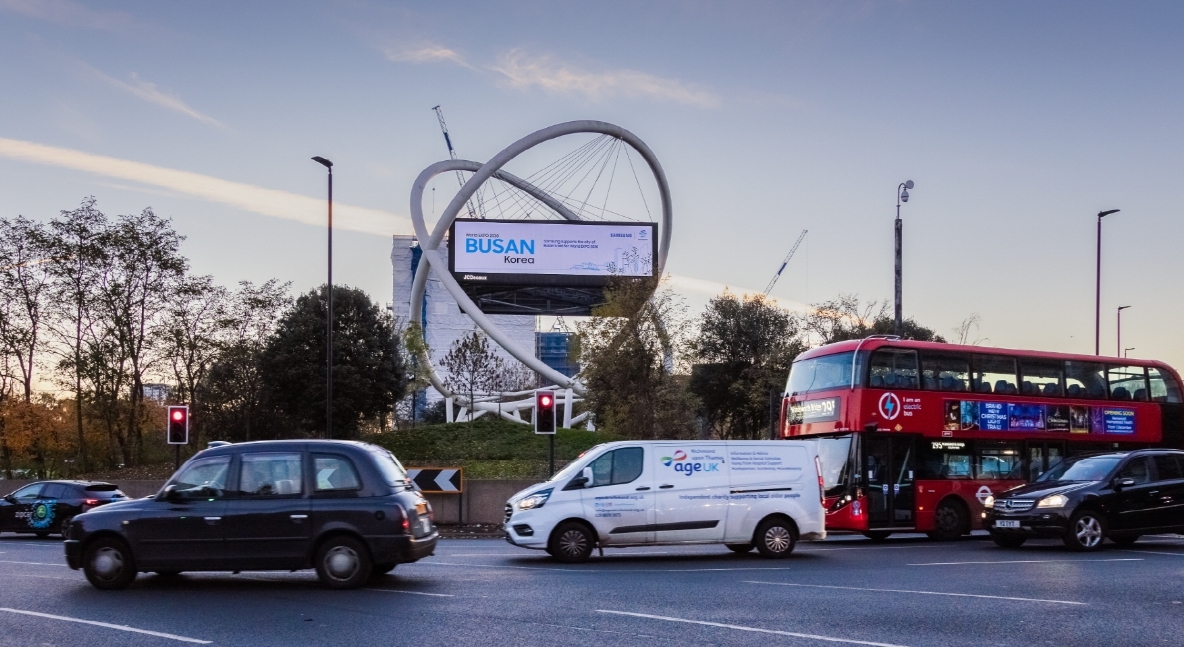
(877, 535)
(949, 522)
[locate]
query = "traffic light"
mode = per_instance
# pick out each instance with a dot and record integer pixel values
(179, 425)
(544, 412)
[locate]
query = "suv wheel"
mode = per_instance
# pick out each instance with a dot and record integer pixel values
(571, 543)
(775, 538)
(343, 563)
(949, 522)
(109, 564)
(1008, 542)
(1086, 531)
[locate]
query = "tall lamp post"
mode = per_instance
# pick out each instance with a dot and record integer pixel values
(902, 195)
(1118, 353)
(1126, 351)
(329, 319)
(1098, 287)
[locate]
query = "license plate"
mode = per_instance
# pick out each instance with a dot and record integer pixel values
(1001, 523)
(426, 525)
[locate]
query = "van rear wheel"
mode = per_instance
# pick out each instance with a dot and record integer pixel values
(740, 548)
(775, 538)
(572, 543)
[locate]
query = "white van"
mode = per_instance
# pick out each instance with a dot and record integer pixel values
(743, 494)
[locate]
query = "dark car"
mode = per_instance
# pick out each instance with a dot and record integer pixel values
(344, 508)
(1118, 496)
(47, 506)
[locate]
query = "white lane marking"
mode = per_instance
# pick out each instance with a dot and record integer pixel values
(107, 625)
(604, 570)
(957, 595)
(41, 577)
(1151, 552)
(1031, 561)
(823, 550)
(434, 595)
(5, 561)
(603, 631)
(722, 625)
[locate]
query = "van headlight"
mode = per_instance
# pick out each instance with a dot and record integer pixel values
(535, 500)
(989, 502)
(1054, 501)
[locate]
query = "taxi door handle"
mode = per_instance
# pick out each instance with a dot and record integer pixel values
(298, 517)
(665, 487)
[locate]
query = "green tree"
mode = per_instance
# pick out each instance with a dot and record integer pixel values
(629, 351)
(744, 350)
(368, 371)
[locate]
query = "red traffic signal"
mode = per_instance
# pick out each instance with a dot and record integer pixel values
(544, 412)
(178, 425)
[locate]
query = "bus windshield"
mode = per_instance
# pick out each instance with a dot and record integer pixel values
(834, 454)
(820, 373)
(1085, 469)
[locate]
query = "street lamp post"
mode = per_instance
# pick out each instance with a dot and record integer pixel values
(1126, 351)
(1119, 344)
(902, 195)
(1098, 287)
(329, 318)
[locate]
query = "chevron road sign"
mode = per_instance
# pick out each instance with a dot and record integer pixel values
(438, 480)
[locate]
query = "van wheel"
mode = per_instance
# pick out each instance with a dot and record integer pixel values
(949, 522)
(343, 563)
(571, 543)
(1086, 531)
(740, 548)
(775, 538)
(109, 564)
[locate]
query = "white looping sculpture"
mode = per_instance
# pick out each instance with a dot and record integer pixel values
(431, 259)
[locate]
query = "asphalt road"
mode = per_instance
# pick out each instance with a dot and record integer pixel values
(845, 591)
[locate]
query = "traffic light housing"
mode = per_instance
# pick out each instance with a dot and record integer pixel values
(544, 412)
(178, 426)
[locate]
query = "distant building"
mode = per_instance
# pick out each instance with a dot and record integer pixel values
(158, 393)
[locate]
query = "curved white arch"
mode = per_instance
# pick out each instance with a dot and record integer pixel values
(430, 243)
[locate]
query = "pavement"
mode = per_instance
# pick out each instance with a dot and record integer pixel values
(845, 591)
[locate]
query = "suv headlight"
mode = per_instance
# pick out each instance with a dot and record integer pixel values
(989, 502)
(1054, 501)
(535, 500)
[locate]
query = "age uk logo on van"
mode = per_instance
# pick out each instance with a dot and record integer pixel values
(688, 467)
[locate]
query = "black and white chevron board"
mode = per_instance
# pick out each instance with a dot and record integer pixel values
(438, 480)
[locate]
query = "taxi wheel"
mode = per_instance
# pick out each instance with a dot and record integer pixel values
(949, 522)
(1008, 542)
(740, 548)
(1086, 531)
(775, 538)
(109, 564)
(571, 543)
(343, 563)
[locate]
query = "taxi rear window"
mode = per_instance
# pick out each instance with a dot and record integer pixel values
(390, 468)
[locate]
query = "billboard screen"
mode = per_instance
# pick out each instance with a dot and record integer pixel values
(551, 253)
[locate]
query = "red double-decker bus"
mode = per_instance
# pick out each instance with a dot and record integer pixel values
(916, 435)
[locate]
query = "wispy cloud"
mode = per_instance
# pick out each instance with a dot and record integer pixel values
(151, 93)
(72, 14)
(428, 53)
(520, 70)
(255, 199)
(703, 288)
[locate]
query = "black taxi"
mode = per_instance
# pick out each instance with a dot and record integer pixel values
(345, 508)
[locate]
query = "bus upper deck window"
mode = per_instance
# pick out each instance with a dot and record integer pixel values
(1164, 387)
(1041, 377)
(1085, 380)
(995, 374)
(943, 372)
(893, 368)
(1127, 383)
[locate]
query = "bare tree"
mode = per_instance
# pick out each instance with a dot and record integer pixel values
(962, 332)
(24, 291)
(191, 339)
(471, 366)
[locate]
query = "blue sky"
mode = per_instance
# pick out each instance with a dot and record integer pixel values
(1018, 122)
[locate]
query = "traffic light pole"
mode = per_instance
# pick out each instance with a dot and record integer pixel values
(177, 459)
(552, 455)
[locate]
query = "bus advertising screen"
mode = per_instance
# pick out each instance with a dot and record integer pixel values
(550, 253)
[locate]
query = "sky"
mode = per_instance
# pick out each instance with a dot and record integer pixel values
(1017, 121)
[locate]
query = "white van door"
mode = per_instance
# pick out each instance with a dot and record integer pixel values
(620, 499)
(767, 476)
(692, 500)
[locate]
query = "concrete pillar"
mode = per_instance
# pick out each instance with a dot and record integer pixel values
(567, 402)
(448, 410)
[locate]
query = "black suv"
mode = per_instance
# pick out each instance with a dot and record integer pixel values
(1086, 499)
(346, 509)
(47, 506)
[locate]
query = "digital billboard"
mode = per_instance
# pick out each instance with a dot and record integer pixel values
(550, 253)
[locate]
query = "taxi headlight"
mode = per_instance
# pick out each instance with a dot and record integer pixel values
(989, 502)
(1054, 501)
(535, 500)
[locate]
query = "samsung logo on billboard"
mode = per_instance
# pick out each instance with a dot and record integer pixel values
(620, 235)
(499, 246)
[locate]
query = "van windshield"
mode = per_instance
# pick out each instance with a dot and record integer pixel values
(571, 468)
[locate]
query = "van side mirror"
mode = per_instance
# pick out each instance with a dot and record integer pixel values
(1121, 483)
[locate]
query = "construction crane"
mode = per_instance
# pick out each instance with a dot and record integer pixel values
(773, 281)
(460, 177)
